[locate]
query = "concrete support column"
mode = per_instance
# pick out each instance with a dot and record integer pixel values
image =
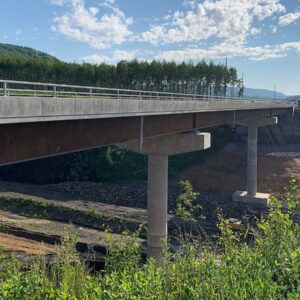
(157, 204)
(158, 149)
(251, 195)
(252, 161)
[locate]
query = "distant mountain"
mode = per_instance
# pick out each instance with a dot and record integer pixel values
(257, 93)
(294, 98)
(249, 92)
(24, 52)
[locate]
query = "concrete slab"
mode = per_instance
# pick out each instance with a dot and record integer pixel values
(258, 199)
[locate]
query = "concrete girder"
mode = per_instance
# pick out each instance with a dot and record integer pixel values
(45, 139)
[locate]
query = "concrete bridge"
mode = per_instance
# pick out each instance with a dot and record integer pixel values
(41, 120)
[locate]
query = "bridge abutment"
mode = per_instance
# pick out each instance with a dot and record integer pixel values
(158, 150)
(251, 195)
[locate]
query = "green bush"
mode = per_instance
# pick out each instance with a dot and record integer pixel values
(266, 268)
(186, 206)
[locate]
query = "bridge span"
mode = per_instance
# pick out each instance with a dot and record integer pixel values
(41, 120)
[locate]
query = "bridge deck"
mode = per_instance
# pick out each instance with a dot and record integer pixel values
(36, 102)
(69, 119)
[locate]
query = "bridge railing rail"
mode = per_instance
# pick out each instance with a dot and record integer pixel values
(52, 90)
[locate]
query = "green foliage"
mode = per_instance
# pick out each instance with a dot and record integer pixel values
(186, 205)
(267, 268)
(142, 231)
(20, 63)
(46, 210)
(293, 197)
(13, 51)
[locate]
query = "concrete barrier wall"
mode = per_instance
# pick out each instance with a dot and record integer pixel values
(26, 109)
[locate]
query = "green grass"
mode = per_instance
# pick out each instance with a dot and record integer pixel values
(38, 209)
(267, 268)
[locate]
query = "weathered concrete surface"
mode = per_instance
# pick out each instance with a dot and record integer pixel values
(26, 141)
(251, 196)
(157, 205)
(158, 149)
(170, 144)
(20, 109)
(259, 122)
(252, 162)
(257, 199)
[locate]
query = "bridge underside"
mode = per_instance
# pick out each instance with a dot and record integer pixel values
(28, 141)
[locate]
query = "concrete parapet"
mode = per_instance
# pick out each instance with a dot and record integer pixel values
(39, 109)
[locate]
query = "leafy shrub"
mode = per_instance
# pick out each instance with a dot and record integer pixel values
(186, 206)
(266, 268)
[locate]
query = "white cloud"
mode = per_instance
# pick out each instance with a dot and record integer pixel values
(81, 23)
(227, 49)
(59, 2)
(273, 28)
(289, 19)
(18, 32)
(220, 19)
(190, 3)
(117, 56)
(227, 23)
(110, 1)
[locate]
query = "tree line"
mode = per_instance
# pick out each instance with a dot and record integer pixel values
(200, 78)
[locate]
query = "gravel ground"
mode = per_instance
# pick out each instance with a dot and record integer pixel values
(134, 194)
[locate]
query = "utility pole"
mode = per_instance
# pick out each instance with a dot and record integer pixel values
(274, 92)
(242, 85)
(226, 77)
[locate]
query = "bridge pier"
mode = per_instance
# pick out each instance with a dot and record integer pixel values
(158, 149)
(157, 204)
(251, 195)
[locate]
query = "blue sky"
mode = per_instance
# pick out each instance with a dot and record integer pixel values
(261, 38)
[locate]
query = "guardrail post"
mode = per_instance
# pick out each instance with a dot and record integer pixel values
(118, 94)
(5, 89)
(54, 91)
(91, 93)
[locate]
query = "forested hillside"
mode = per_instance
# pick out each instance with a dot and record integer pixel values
(13, 51)
(202, 78)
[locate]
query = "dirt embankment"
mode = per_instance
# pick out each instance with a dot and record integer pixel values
(12, 243)
(278, 161)
(226, 172)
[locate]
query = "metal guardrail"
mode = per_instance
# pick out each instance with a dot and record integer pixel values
(38, 89)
